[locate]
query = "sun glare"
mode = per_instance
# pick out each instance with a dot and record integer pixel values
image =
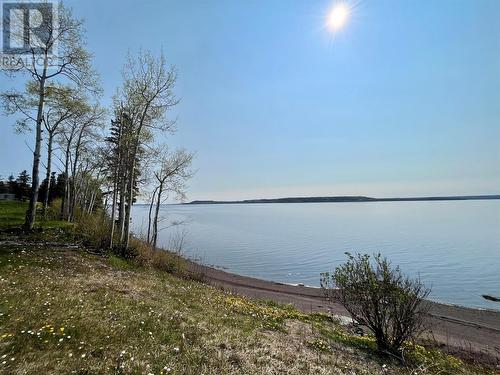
(338, 16)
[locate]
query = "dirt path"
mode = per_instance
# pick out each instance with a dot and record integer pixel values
(460, 329)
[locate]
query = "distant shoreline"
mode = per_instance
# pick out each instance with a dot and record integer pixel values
(340, 199)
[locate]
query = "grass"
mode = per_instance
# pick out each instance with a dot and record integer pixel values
(66, 311)
(12, 215)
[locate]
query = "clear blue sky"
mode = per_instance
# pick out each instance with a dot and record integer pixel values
(405, 100)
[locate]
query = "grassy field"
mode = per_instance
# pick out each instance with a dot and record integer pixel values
(66, 311)
(12, 214)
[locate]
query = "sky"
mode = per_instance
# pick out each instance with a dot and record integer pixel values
(404, 100)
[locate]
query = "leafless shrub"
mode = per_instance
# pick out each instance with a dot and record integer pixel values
(197, 272)
(177, 241)
(93, 229)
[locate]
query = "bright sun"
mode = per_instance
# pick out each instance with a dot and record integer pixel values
(338, 16)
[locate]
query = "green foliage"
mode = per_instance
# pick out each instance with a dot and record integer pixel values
(431, 359)
(423, 360)
(119, 263)
(13, 213)
(22, 186)
(379, 297)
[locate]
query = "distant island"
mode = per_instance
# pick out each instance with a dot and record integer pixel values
(347, 199)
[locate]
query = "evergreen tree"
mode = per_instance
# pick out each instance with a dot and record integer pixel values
(53, 187)
(59, 186)
(43, 188)
(23, 185)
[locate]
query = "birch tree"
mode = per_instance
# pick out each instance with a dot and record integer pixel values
(170, 177)
(62, 103)
(145, 97)
(59, 54)
(80, 131)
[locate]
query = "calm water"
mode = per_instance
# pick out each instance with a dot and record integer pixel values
(454, 246)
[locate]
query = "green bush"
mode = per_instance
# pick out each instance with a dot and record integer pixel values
(379, 297)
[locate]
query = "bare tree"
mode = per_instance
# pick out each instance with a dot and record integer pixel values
(171, 176)
(87, 124)
(152, 200)
(62, 102)
(80, 131)
(66, 141)
(145, 97)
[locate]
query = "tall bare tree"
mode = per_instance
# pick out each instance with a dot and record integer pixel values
(88, 125)
(62, 103)
(170, 177)
(145, 97)
(80, 130)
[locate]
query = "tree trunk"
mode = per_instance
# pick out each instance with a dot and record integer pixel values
(155, 222)
(30, 213)
(149, 215)
(72, 202)
(65, 200)
(132, 176)
(90, 206)
(113, 210)
(130, 195)
(47, 175)
(121, 208)
(115, 186)
(128, 209)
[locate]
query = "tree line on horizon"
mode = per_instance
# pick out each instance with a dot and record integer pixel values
(106, 157)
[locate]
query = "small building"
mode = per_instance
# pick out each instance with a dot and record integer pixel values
(7, 197)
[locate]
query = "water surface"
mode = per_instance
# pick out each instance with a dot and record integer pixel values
(454, 246)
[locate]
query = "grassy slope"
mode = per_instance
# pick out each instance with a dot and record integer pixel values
(67, 311)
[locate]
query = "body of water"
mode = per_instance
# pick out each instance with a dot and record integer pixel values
(453, 245)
